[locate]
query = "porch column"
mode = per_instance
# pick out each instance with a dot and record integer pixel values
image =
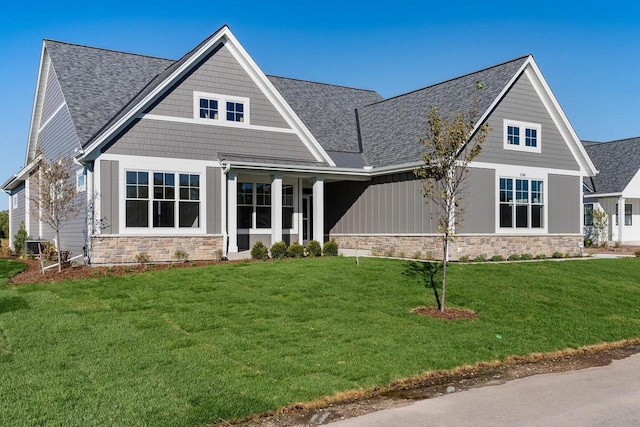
(620, 218)
(276, 208)
(318, 210)
(299, 210)
(232, 210)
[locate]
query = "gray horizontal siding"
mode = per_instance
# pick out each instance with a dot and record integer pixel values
(219, 74)
(53, 97)
(203, 142)
(523, 104)
(386, 204)
(17, 214)
(478, 202)
(109, 196)
(58, 138)
(564, 204)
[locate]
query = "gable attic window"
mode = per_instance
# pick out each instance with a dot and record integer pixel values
(522, 136)
(218, 109)
(81, 181)
(14, 198)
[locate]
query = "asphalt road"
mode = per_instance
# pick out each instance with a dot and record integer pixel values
(603, 396)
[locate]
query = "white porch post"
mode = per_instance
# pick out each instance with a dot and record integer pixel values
(232, 210)
(318, 210)
(298, 214)
(620, 218)
(276, 208)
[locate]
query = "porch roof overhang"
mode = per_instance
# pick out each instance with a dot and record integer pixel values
(19, 178)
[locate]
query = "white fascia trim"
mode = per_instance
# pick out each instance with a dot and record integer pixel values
(53, 116)
(295, 169)
(43, 73)
(153, 95)
(22, 174)
(162, 163)
(559, 118)
(206, 122)
(602, 195)
(270, 91)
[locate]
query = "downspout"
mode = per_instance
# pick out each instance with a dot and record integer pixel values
(225, 235)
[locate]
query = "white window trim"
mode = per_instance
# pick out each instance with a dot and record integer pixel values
(166, 165)
(545, 210)
(83, 187)
(222, 108)
(523, 126)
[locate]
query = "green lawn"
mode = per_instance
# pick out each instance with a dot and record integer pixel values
(191, 346)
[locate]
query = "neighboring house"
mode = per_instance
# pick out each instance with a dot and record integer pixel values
(208, 153)
(616, 188)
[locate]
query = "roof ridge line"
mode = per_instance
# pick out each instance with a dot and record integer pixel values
(449, 80)
(322, 83)
(108, 50)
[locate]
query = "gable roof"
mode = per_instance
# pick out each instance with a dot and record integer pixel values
(390, 128)
(617, 161)
(97, 83)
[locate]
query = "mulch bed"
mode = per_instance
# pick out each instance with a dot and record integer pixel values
(447, 314)
(33, 274)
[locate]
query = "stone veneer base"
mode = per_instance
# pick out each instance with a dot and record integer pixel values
(472, 245)
(123, 249)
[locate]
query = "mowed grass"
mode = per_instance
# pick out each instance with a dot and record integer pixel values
(193, 346)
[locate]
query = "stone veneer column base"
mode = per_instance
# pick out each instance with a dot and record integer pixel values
(470, 245)
(123, 249)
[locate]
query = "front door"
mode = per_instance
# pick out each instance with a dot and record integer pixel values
(307, 218)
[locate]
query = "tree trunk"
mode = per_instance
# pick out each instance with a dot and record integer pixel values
(444, 272)
(58, 244)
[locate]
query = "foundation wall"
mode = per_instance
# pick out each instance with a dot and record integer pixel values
(123, 249)
(430, 246)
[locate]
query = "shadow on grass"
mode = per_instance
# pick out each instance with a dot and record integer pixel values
(8, 304)
(427, 272)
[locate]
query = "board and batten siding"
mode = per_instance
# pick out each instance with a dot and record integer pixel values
(522, 103)
(109, 196)
(564, 204)
(390, 204)
(219, 73)
(479, 202)
(157, 138)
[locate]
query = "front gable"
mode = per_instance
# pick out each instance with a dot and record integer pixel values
(167, 113)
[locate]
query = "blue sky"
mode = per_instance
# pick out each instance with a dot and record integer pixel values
(589, 53)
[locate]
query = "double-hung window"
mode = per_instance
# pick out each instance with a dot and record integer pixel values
(163, 202)
(263, 205)
(137, 199)
(287, 206)
(522, 136)
(627, 214)
(521, 203)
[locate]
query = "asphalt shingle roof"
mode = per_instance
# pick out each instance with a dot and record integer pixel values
(97, 83)
(390, 128)
(617, 163)
(327, 110)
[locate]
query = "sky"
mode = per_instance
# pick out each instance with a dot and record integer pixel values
(589, 52)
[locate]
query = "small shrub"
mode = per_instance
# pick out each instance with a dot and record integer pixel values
(279, 250)
(526, 256)
(567, 255)
(514, 257)
(637, 253)
(618, 243)
(142, 258)
(181, 256)
(49, 251)
(314, 249)
(541, 256)
(19, 240)
(390, 252)
(428, 256)
(557, 254)
(259, 251)
(480, 258)
(417, 255)
(497, 258)
(588, 242)
(330, 248)
(296, 250)
(218, 255)
(376, 251)
(463, 258)
(402, 254)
